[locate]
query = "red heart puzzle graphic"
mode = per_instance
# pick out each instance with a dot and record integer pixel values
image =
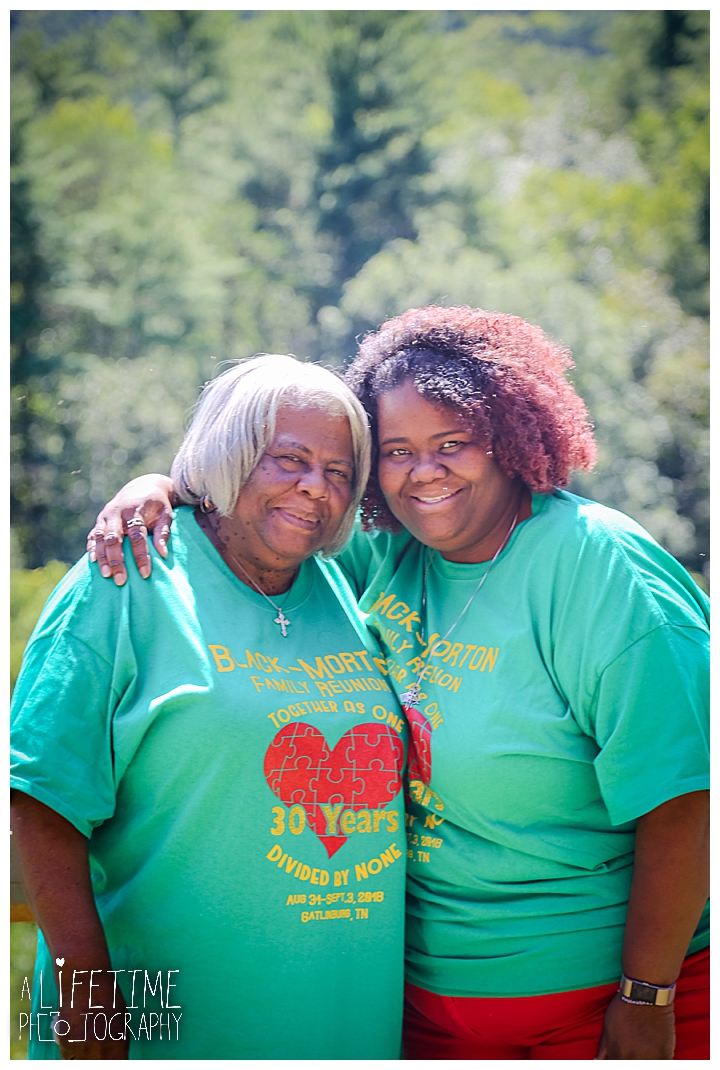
(362, 771)
(420, 746)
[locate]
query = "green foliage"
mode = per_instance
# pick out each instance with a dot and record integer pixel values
(23, 941)
(191, 187)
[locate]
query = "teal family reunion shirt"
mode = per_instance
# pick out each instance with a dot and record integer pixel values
(241, 793)
(571, 698)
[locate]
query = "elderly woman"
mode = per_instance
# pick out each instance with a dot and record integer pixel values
(552, 660)
(208, 765)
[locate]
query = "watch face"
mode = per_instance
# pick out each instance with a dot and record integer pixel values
(643, 993)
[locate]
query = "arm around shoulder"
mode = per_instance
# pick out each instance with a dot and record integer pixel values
(142, 505)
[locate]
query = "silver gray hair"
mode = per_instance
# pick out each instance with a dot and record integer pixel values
(234, 423)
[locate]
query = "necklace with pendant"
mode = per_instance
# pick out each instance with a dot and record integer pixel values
(281, 619)
(412, 695)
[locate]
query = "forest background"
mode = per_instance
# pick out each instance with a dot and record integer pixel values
(192, 187)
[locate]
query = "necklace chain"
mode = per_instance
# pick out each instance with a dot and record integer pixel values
(281, 619)
(411, 696)
(413, 692)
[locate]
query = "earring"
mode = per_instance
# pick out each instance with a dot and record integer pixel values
(206, 506)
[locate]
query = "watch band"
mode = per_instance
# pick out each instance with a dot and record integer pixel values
(643, 993)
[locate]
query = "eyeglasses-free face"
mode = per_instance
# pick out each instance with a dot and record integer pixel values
(440, 481)
(299, 492)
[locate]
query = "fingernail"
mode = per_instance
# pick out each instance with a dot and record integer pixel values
(105, 571)
(93, 556)
(119, 580)
(163, 549)
(144, 572)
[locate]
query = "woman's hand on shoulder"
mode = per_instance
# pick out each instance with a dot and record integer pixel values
(142, 505)
(637, 1032)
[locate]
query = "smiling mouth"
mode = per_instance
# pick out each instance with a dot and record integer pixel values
(299, 521)
(434, 499)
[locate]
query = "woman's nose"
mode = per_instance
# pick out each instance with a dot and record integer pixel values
(427, 468)
(313, 482)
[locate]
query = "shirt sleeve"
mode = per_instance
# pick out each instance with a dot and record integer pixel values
(650, 717)
(61, 729)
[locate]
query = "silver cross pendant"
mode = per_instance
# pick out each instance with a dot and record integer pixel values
(282, 620)
(411, 696)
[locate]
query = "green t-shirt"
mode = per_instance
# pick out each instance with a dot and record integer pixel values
(571, 698)
(242, 796)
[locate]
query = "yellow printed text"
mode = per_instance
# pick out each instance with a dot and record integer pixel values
(300, 709)
(295, 868)
(363, 870)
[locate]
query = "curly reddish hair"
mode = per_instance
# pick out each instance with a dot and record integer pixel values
(501, 374)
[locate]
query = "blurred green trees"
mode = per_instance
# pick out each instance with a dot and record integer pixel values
(190, 187)
(23, 940)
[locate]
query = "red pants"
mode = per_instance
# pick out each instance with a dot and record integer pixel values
(566, 1025)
